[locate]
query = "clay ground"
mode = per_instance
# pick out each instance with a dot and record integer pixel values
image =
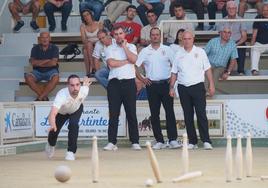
(126, 169)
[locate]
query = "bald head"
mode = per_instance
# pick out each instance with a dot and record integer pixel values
(188, 40)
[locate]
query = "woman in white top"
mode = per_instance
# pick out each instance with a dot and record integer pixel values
(89, 29)
(178, 45)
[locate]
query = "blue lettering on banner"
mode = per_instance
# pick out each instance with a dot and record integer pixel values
(16, 121)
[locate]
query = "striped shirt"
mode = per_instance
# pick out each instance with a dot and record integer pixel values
(220, 54)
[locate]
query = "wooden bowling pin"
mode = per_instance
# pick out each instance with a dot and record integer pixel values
(95, 160)
(248, 156)
(239, 159)
(154, 163)
(187, 176)
(229, 160)
(185, 155)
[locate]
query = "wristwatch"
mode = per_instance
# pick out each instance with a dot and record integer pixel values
(227, 72)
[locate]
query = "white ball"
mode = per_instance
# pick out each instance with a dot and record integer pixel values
(63, 173)
(149, 183)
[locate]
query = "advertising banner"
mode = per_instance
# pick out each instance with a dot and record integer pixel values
(247, 115)
(214, 114)
(18, 122)
(94, 120)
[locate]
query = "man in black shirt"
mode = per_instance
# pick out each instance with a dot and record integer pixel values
(44, 59)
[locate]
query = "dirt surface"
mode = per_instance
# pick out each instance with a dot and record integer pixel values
(126, 169)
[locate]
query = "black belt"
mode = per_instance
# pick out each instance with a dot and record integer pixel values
(160, 81)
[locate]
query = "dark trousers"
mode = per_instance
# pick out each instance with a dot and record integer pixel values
(141, 10)
(73, 129)
(193, 98)
(65, 10)
(122, 92)
(195, 5)
(159, 93)
(212, 9)
(241, 59)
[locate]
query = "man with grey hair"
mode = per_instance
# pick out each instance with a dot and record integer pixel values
(238, 34)
(220, 51)
(189, 68)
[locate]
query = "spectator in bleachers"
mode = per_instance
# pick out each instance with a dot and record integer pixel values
(63, 6)
(220, 51)
(244, 5)
(115, 8)
(197, 6)
(171, 28)
(239, 34)
(24, 7)
(259, 38)
(44, 60)
(145, 31)
(156, 5)
(132, 29)
(89, 29)
(178, 44)
(213, 7)
(96, 6)
(102, 73)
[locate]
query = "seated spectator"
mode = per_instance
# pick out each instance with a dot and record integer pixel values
(213, 7)
(239, 34)
(63, 6)
(114, 9)
(96, 6)
(197, 6)
(178, 44)
(171, 28)
(132, 29)
(89, 29)
(259, 38)
(155, 5)
(24, 6)
(102, 73)
(145, 31)
(244, 5)
(220, 51)
(44, 60)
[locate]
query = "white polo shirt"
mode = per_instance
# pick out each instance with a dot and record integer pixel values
(157, 62)
(68, 105)
(98, 51)
(118, 53)
(190, 66)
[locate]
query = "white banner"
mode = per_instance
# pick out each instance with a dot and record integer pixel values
(18, 122)
(214, 114)
(94, 120)
(247, 115)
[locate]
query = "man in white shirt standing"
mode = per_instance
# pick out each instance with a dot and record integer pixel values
(189, 68)
(157, 61)
(121, 89)
(67, 106)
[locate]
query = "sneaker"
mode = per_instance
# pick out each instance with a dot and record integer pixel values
(69, 156)
(110, 147)
(192, 146)
(51, 28)
(34, 26)
(108, 25)
(18, 26)
(212, 28)
(63, 27)
(136, 147)
(207, 146)
(159, 145)
(199, 28)
(174, 144)
(50, 150)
